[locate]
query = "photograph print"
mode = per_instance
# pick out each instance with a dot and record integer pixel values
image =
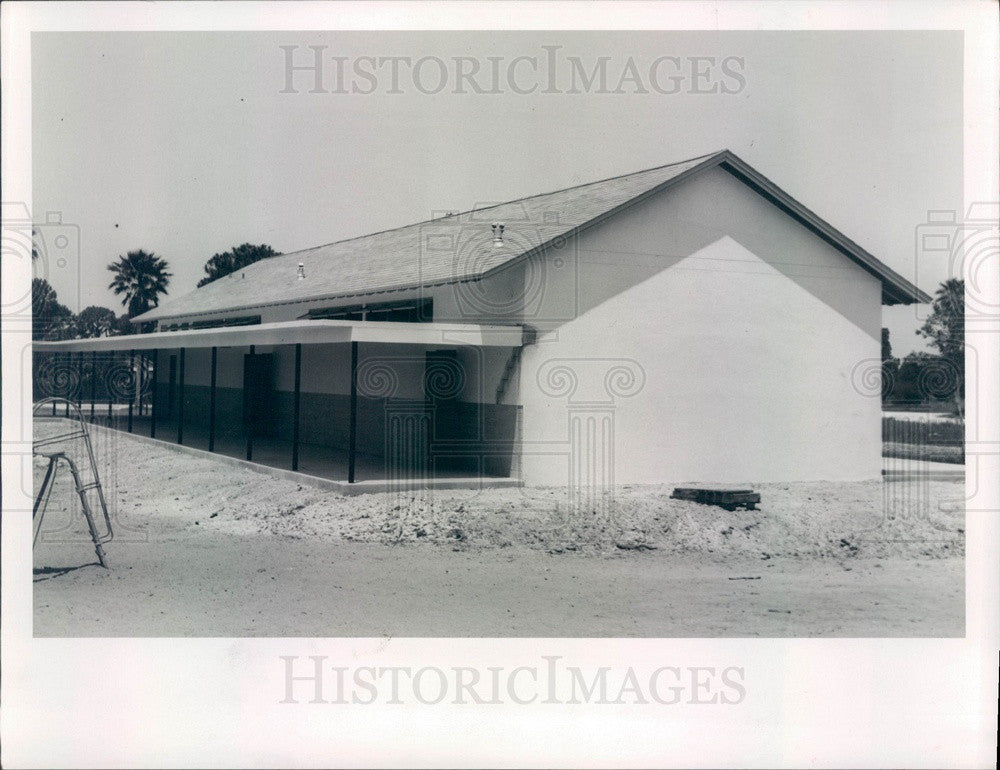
(498, 334)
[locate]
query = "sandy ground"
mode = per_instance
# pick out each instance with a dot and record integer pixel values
(205, 549)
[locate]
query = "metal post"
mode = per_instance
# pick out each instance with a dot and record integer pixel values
(152, 394)
(180, 401)
(295, 407)
(171, 384)
(131, 396)
(79, 376)
(69, 379)
(55, 367)
(107, 385)
(93, 382)
(249, 424)
(353, 437)
(211, 403)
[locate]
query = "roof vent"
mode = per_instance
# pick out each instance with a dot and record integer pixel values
(302, 271)
(498, 234)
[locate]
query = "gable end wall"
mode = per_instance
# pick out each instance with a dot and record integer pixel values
(716, 340)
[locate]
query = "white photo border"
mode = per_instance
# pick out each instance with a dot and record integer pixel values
(215, 702)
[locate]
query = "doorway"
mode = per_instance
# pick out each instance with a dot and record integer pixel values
(258, 394)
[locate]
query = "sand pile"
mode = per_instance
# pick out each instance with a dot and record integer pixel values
(798, 520)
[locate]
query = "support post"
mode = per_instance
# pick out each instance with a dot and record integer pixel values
(248, 424)
(353, 439)
(295, 407)
(152, 394)
(93, 382)
(180, 401)
(69, 379)
(131, 395)
(79, 382)
(55, 367)
(107, 385)
(211, 402)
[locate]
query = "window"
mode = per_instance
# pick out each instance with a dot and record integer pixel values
(249, 320)
(406, 311)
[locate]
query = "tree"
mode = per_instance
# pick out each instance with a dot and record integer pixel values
(142, 277)
(945, 328)
(122, 326)
(227, 262)
(890, 367)
(51, 320)
(886, 346)
(96, 321)
(43, 297)
(906, 380)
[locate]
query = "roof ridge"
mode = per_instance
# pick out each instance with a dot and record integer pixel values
(504, 203)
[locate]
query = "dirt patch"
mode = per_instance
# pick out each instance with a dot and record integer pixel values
(187, 583)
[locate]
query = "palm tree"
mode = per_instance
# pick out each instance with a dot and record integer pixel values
(142, 277)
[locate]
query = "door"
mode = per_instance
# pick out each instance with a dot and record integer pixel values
(171, 386)
(443, 382)
(258, 393)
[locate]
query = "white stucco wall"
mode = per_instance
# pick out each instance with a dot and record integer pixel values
(740, 331)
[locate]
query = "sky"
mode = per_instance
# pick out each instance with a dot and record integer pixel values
(187, 144)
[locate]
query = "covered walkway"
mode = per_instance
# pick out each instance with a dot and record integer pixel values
(383, 439)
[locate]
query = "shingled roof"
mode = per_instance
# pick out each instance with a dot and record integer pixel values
(459, 247)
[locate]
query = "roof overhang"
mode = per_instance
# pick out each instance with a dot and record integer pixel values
(302, 333)
(896, 290)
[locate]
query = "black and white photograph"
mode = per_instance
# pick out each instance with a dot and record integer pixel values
(598, 364)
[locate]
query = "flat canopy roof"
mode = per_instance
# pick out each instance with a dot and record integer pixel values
(302, 332)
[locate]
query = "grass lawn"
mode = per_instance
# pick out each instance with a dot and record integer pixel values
(929, 440)
(930, 453)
